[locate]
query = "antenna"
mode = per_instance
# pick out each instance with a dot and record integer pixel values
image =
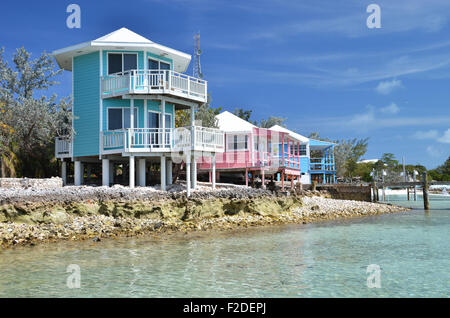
(196, 67)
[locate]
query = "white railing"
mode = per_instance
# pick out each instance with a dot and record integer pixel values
(158, 139)
(113, 140)
(63, 147)
(154, 81)
(209, 138)
(149, 138)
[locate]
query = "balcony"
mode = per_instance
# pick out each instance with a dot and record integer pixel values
(146, 140)
(154, 82)
(320, 164)
(63, 147)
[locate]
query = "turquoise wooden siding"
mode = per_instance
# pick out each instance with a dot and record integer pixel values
(86, 104)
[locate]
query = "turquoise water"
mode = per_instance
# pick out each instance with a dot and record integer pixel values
(314, 260)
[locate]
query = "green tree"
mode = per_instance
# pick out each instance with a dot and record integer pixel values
(241, 113)
(442, 172)
(204, 115)
(34, 121)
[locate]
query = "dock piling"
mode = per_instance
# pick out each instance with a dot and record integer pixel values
(426, 202)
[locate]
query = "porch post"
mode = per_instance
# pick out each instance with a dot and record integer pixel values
(162, 124)
(163, 173)
(169, 171)
(188, 175)
(142, 172)
(214, 171)
(132, 173)
(64, 171)
(78, 167)
(105, 172)
(131, 114)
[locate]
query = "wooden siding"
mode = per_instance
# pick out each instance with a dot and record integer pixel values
(86, 101)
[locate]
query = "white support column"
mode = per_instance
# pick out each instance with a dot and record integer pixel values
(169, 171)
(132, 113)
(112, 172)
(142, 172)
(213, 172)
(132, 172)
(162, 122)
(163, 173)
(78, 168)
(105, 172)
(194, 171)
(64, 171)
(188, 175)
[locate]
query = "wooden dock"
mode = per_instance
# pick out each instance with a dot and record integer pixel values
(410, 186)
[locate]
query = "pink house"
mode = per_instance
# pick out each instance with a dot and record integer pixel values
(251, 151)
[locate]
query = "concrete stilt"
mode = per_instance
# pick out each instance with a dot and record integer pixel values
(188, 176)
(105, 172)
(132, 172)
(163, 173)
(169, 171)
(64, 171)
(78, 171)
(142, 180)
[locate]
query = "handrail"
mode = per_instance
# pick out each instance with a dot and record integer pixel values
(154, 81)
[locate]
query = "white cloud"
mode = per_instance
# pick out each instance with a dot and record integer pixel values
(429, 134)
(391, 109)
(387, 87)
(446, 137)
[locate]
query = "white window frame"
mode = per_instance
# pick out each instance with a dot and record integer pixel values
(121, 53)
(245, 141)
(158, 112)
(159, 63)
(123, 117)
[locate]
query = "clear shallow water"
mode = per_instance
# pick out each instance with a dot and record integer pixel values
(315, 260)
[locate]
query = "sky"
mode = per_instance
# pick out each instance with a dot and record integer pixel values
(313, 62)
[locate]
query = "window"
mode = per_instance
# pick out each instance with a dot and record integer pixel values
(119, 118)
(121, 62)
(157, 65)
(155, 117)
(237, 142)
(303, 150)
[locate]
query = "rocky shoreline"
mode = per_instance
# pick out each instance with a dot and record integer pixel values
(29, 217)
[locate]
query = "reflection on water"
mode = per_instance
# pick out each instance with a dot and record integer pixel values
(320, 260)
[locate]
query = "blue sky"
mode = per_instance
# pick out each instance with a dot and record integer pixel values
(313, 62)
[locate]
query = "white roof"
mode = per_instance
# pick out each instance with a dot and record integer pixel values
(290, 132)
(229, 122)
(122, 39)
(368, 161)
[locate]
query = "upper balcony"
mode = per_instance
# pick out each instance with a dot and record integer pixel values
(166, 82)
(321, 165)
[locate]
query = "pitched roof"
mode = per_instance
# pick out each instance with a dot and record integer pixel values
(123, 35)
(230, 122)
(290, 132)
(121, 39)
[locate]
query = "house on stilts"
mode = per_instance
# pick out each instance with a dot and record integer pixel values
(274, 152)
(126, 91)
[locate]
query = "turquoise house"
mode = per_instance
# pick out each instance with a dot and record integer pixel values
(126, 91)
